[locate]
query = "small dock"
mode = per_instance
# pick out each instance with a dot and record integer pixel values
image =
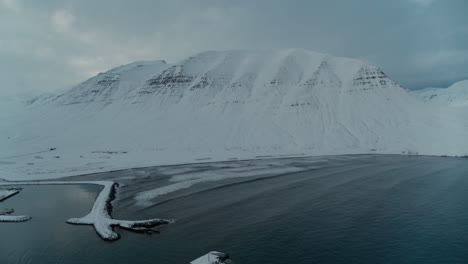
(7, 193)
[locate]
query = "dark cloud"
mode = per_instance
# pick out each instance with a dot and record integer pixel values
(46, 45)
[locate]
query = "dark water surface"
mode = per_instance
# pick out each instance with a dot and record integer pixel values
(359, 209)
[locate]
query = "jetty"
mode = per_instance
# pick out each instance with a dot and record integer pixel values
(7, 193)
(99, 216)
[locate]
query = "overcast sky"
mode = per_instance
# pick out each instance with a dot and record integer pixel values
(51, 44)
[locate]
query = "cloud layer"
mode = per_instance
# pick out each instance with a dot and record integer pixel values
(47, 45)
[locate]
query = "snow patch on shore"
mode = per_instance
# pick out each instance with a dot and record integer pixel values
(186, 180)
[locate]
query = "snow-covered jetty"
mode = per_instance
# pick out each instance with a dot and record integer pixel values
(100, 216)
(213, 257)
(5, 217)
(14, 218)
(7, 193)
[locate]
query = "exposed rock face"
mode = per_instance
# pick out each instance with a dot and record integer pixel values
(171, 81)
(371, 77)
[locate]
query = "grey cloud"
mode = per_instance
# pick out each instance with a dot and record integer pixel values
(46, 45)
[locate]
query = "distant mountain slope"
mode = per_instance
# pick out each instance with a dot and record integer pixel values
(222, 105)
(455, 95)
(114, 85)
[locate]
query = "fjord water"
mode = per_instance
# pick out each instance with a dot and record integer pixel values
(362, 209)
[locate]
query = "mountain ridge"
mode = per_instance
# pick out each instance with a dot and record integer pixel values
(195, 72)
(223, 105)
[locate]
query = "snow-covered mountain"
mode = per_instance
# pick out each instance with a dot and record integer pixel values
(455, 95)
(220, 106)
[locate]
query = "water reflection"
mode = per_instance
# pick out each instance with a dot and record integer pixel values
(82, 194)
(46, 238)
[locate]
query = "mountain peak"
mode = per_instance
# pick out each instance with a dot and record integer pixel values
(211, 75)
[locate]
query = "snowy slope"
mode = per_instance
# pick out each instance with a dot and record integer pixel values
(455, 95)
(107, 87)
(219, 106)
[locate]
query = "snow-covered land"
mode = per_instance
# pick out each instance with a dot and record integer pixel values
(456, 95)
(223, 105)
(99, 216)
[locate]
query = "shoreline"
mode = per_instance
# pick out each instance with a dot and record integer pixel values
(76, 171)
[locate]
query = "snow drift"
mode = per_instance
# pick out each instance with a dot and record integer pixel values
(220, 106)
